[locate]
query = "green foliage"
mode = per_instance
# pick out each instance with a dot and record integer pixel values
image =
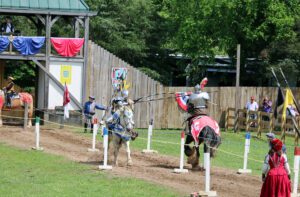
(23, 72)
(210, 27)
(206, 24)
(122, 27)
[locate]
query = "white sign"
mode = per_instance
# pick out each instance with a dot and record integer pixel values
(75, 85)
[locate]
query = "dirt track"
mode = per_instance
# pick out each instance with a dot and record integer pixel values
(154, 168)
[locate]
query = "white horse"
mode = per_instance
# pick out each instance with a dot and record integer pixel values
(18, 103)
(120, 125)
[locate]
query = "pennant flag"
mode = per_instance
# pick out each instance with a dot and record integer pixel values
(287, 101)
(66, 102)
(279, 101)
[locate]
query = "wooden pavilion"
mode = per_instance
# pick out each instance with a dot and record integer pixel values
(44, 14)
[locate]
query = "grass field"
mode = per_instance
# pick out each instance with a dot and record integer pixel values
(230, 154)
(28, 173)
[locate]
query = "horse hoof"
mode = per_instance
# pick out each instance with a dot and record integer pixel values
(115, 164)
(129, 163)
(198, 168)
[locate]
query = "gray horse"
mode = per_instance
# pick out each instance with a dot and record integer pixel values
(120, 125)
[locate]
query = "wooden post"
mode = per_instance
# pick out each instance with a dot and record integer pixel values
(258, 124)
(226, 119)
(236, 120)
(47, 65)
(247, 121)
(237, 82)
(25, 115)
(86, 51)
(270, 122)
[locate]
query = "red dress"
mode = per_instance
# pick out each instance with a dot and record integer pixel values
(277, 183)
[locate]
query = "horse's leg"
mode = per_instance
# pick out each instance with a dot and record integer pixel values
(117, 146)
(30, 113)
(129, 161)
(192, 153)
(187, 149)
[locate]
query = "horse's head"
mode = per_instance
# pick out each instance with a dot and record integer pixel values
(127, 121)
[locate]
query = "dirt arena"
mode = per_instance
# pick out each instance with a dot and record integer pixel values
(153, 168)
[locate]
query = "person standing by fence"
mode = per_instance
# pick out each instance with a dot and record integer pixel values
(89, 112)
(252, 106)
(267, 108)
(276, 172)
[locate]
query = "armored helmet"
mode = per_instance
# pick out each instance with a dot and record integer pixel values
(124, 94)
(197, 89)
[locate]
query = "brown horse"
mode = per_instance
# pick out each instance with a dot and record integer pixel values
(18, 103)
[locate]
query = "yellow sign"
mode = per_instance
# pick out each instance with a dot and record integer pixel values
(65, 74)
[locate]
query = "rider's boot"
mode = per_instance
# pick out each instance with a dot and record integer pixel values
(85, 127)
(92, 127)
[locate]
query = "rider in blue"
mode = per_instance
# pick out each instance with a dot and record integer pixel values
(89, 111)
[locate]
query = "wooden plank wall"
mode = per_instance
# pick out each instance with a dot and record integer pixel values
(164, 112)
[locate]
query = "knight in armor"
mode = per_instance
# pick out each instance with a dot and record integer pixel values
(89, 112)
(126, 100)
(9, 90)
(197, 103)
(115, 100)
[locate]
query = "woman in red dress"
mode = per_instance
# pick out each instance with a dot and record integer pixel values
(276, 173)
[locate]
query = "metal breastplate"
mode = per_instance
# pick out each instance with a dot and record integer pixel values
(199, 100)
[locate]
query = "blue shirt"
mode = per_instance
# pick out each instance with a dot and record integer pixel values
(89, 107)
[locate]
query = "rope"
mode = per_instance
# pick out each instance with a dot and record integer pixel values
(156, 141)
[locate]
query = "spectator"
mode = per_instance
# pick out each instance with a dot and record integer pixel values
(266, 107)
(292, 111)
(89, 111)
(252, 106)
(7, 26)
(270, 137)
(276, 172)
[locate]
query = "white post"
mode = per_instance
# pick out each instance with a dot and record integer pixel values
(150, 129)
(247, 148)
(95, 129)
(181, 170)
(207, 191)
(296, 172)
(37, 134)
(105, 146)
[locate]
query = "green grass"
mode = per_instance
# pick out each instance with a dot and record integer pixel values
(28, 173)
(230, 154)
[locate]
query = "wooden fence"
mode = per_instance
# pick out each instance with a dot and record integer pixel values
(165, 112)
(263, 122)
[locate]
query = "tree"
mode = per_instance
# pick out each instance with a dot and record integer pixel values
(207, 27)
(122, 27)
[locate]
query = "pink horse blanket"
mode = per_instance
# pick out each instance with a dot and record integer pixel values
(200, 122)
(1, 102)
(25, 97)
